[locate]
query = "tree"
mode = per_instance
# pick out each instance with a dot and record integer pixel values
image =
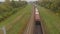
(7, 1)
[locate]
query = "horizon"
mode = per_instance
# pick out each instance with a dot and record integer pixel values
(21, 0)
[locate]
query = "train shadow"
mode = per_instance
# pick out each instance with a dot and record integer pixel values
(37, 23)
(38, 28)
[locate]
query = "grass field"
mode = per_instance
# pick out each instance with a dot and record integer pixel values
(51, 21)
(17, 22)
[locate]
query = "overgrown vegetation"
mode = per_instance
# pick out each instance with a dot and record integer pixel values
(51, 22)
(8, 9)
(16, 23)
(53, 5)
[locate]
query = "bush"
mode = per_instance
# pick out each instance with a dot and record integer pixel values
(52, 5)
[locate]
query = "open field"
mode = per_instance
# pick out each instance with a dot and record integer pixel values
(17, 22)
(51, 21)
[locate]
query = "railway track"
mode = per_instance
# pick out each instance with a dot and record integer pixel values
(38, 28)
(35, 27)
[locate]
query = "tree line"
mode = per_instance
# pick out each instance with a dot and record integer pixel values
(53, 5)
(8, 9)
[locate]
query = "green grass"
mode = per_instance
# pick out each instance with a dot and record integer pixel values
(11, 18)
(51, 21)
(19, 25)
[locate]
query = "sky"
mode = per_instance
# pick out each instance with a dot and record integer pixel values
(31, 0)
(17, 0)
(1, 0)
